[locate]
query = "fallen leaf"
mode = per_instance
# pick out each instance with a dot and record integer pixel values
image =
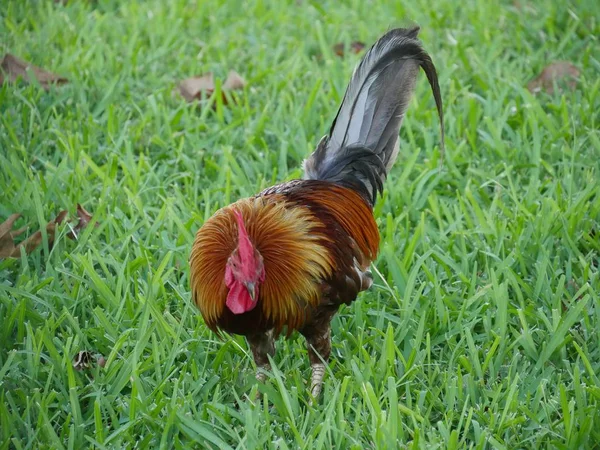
(8, 249)
(338, 49)
(559, 73)
(234, 81)
(355, 47)
(84, 219)
(203, 86)
(194, 87)
(7, 243)
(13, 68)
(33, 241)
(82, 360)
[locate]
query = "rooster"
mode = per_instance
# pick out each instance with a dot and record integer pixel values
(290, 256)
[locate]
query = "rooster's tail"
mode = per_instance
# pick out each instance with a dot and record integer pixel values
(362, 144)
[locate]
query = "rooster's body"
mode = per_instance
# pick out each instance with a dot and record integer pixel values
(290, 256)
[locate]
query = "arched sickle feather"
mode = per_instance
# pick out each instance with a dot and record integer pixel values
(371, 114)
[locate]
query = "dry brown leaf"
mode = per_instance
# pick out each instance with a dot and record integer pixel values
(82, 360)
(559, 73)
(338, 49)
(7, 244)
(234, 81)
(193, 88)
(84, 219)
(33, 241)
(355, 47)
(203, 86)
(8, 249)
(13, 68)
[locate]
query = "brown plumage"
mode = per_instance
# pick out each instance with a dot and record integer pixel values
(289, 257)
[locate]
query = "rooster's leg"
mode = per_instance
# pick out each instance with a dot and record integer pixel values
(319, 348)
(262, 346)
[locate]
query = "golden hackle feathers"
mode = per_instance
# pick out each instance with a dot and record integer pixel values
(290, 240)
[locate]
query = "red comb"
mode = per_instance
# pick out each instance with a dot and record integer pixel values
(245, 248)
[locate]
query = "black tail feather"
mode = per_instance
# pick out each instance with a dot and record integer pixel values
(362, 144)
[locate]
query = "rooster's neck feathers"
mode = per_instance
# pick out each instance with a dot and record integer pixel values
(289, 242)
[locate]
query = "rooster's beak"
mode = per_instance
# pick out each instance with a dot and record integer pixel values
(251, 290)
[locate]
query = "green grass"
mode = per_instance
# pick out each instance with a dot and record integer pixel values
(483, 330)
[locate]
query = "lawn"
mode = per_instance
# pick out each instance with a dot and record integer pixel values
(483, 327)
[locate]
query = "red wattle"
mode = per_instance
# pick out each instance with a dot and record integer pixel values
(238, 299)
